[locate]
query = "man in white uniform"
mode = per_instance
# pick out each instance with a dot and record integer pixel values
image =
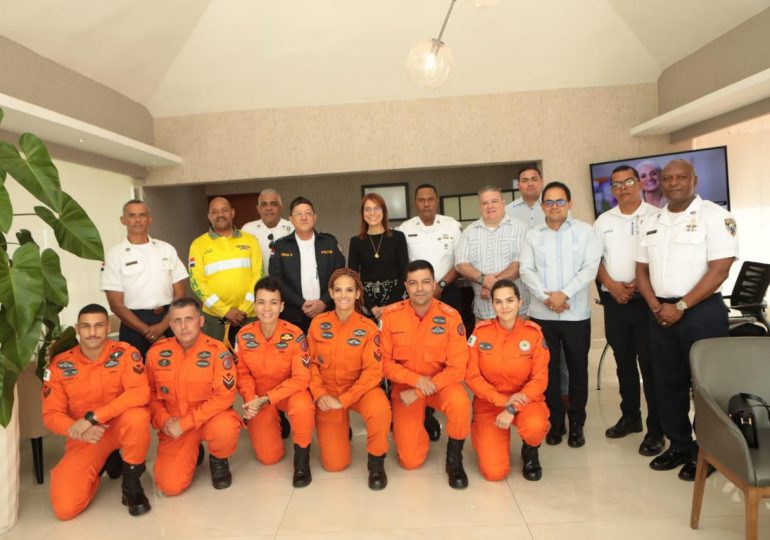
(685, 253)
(271, 226)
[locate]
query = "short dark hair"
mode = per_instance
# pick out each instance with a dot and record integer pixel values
(425, 186)
(530, 167)
(268, 283)
(621, 168)
(560, 185)
(501, 284)
(184, 302)
(420, 264)
(300, 200)
(93, 308)
(134, 201)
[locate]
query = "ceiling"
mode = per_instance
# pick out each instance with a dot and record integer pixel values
(182, 57)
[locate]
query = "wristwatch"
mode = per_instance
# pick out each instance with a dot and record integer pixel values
(91, 418)
(511, 409)
(681, 306)
(480, 281)
(442, 284)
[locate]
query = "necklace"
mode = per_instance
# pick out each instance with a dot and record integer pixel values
(376, 249)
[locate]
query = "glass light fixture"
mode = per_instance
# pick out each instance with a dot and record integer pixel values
(430, 61)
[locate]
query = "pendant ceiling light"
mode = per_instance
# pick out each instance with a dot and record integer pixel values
(430, 61)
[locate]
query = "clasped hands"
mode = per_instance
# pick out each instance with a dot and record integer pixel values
(504, 418)
(556, 301)
(311, 308)
(252, 408)
(424, 385)
(83, 430)
(666, 314)
(486, 285)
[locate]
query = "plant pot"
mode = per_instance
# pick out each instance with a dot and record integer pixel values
(9, 469)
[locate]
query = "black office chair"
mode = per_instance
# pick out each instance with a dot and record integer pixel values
(748, 298)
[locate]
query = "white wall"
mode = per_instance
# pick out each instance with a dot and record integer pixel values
(102, 195)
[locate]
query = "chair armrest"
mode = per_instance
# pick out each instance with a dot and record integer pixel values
(749, 306)
(717, 434)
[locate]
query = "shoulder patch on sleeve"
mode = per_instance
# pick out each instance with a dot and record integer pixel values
(472, 340)
(47, 375)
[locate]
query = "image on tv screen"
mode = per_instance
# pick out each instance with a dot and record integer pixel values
(710, 167)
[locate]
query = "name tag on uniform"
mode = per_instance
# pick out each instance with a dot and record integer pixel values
(652, 232)
(412, 235)
(131, 262)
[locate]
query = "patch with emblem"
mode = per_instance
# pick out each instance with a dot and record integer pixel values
(439, 320)
(65, 365)
(165, 353)
(225, 355)
(359, 332)
(524, 345)
(379, 324)
(112, 362)
(204, 354)
(354, 342)
(300, 338)
(731, 226)
(164, 390)
(461, 329)
(327, 335)
(228, 381)
(164, 362)
(46, 390)
(227, 363)
(117, 354)
(248, 336)
(303, 345)
(306, 361)
(252, 344)
(203, 363)
(472, 340)
(281, 345)
(47, 375)
(484, 346)
(138, 369)
(377, 340)
(70, 372)
(287, 336)
(377, 356)
(325, 326)
(135, 356)
(438, 330)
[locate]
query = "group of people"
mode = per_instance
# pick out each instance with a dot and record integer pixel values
(383, 336)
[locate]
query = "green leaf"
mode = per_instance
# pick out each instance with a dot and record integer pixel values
(6, 208)
(21, 286)
(37, 173)
(25, 237)
(3, 243)
(7, 382)
(73, 229)
(19, 347)
(54, 282)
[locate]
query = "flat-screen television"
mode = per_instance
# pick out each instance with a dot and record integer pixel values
(710, 167)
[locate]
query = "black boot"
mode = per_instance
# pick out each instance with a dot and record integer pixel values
(431, 424)
(377, 477)
(113, 466)
(285, 426)
(133, 493)
(530, 463)
(201, 453)
(454, 463)
(302, 476)
(220, 472)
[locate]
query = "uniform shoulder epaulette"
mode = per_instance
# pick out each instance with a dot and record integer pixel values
(161, 341)
(294, 329)
(69, 352)
(532, 325)
(211, 341)
(397, 306)
(482, 324)
(446, 308)
(368, 322)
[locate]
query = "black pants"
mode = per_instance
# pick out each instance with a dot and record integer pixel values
(575, 338)
(670, 349)
(627, 328)
(147, 316)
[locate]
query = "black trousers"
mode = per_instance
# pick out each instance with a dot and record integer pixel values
(575, 338)
(627, 328)
(670, 349)
(147, 316)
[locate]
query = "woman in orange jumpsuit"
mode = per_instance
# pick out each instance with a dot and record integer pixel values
(508, 374)
(345, 373)
(273, 376)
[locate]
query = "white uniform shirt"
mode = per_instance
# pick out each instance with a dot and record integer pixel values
(678, 246)
(566, 260)
(619, 235)
(434, 243)
(262, 232)
(144, 273)
(489, 251)
(520, 211)
(311, 287)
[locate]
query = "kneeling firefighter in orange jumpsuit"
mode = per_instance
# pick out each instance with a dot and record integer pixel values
(345, 373)
(425, 356)
(96, 394)
(192, 388)
(273, 375)
(508, 373)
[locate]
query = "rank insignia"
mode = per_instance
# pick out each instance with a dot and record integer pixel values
(287, 336)
(359, 332)
(228, 381)
(46, 390)
(306, 361)
(439, 320)
(325, 326)
(203, 363)
(204, 354)
(437, 330)
(484, 346)
(327, 335)
(281, 345)
(354, 342)
(732, 227)
(138, 369)
(524, 345)
(377, 356)
(164, 362)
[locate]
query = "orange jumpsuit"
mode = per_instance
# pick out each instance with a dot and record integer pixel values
(198, 388)
(279, 368)
(500, 364)
(345, 363)
(432, 346)
(114, 387)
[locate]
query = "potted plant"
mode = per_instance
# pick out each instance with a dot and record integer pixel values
(33, 290)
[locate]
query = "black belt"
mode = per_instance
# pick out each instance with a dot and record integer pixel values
(154, 311)
(669, 300)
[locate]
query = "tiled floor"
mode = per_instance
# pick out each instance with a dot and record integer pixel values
(603, 490)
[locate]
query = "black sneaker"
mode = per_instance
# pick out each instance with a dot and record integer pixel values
(221, 478)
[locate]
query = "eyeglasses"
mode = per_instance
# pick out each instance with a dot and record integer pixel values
(628, 182)
(558, 202)
(372, 210)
